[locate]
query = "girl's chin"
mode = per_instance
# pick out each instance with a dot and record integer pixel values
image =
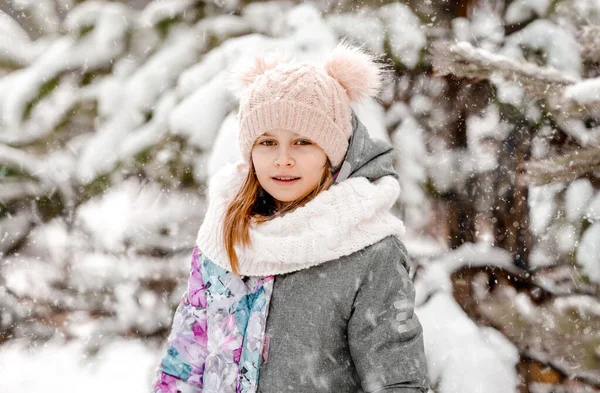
(286, 197)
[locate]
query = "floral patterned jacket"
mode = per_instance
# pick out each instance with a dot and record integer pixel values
(234, 311)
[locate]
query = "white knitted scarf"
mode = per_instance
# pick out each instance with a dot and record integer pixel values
(346, 218)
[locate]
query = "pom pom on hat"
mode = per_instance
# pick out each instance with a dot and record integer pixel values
(244, 75)
(355, 70)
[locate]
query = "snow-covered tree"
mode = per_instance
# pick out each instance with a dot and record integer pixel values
(113, 117)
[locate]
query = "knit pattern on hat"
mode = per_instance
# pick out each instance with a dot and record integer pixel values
(310, 100)
(301, 99)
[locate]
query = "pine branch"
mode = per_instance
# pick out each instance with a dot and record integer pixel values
(589, 42)
(18, 159)
(464, 60)
(561, 168)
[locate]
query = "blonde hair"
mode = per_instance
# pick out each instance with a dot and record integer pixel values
(252, 204)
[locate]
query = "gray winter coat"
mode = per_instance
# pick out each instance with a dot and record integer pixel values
(348, 325)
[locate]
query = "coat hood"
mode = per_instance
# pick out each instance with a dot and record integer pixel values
(366, 157)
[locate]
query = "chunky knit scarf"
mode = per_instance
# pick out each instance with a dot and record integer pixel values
(348, 217)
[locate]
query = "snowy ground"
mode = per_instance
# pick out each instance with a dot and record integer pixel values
(125, 365)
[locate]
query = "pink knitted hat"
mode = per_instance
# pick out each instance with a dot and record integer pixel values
(310, 100)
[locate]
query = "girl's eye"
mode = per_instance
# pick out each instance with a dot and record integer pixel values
(267, 143)
(304, 142)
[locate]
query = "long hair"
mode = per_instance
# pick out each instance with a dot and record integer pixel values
(252, 204)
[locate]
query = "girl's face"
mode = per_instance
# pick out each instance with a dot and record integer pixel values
(287, 165)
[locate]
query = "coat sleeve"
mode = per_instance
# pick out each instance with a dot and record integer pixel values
(384, 334)
(182, 367)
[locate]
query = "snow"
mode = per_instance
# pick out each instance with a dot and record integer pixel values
(542, 205)
(566, 238)
(461, 356)
(362, 27)
(122, 213)
(19, 158)
(97, 258)
(520, 10)
(435, 276)
(577, 196)
(585, 305)
(153, 131)
(224, 151)
(411, 152)
(482, 134)
(200, 115)
(137, 96)
(222, 27)
(15, 45)
(159, 11)
(12, 228)
(508, 91)
(586, 10)
(50, 241)
(23, 273)
(371, 114)
(42, 13)
(124, 365)
(407, 38)
(266, 18)
(588, 253)
(486, 29)
(560, 47)
(584, 92)
(577, 129)
(105, 42)
(593, 209)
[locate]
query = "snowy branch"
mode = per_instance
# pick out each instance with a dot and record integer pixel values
(589, 42)
(464, 60)
(17, 158)
(561, 168)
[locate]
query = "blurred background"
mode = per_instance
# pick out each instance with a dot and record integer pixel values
(113, 115)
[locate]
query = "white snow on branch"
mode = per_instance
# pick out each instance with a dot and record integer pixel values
(122, 214)
(521, 10)
(136, 97)
(589, 42)
(159, 11)
(436, 274)
(559, 46)
(588, 253)
(406, 35)
(584, 92)
(363, 27)
(41, 12)
(577, 196)
(15, 45)
(568, 166)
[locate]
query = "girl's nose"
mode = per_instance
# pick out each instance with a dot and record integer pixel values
(284, 158)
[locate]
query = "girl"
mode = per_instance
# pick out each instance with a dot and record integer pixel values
(298, 280)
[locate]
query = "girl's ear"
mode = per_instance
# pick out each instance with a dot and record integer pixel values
(355, 70)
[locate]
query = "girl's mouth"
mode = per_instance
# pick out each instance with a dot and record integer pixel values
(285, 180)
